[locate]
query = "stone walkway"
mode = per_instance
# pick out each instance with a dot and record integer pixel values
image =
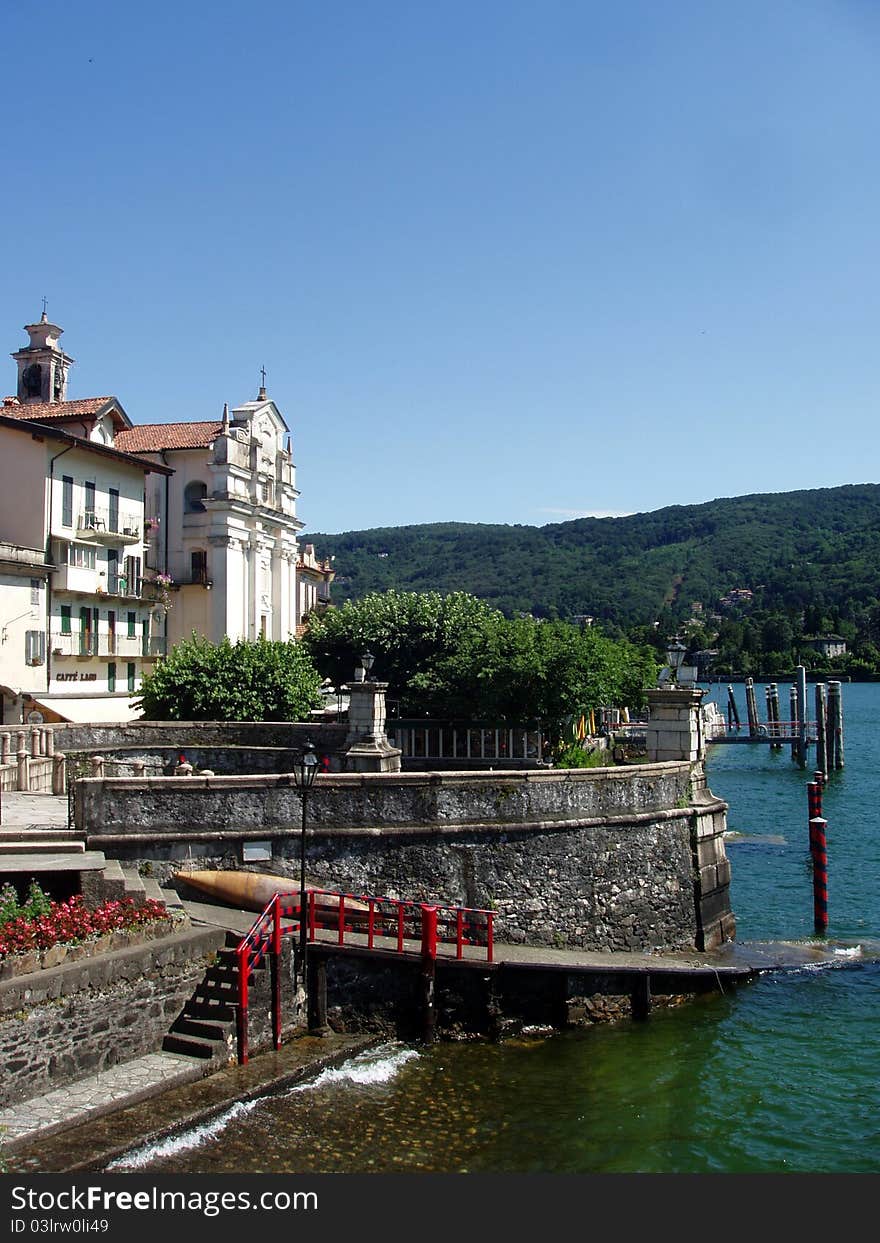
(100, 1128)
(95, 1095)
(32, 811)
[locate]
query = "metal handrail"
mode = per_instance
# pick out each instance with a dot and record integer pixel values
(394, 919)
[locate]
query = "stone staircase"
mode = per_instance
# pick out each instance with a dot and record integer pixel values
(42, 851)
(205, 1028)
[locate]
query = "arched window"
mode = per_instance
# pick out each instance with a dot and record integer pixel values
(194, 497)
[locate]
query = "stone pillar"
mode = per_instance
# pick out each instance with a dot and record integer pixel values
(97, 763)
(35, 742)
(4, 748)
(675, 727)
(716, 922)
(48, 742)
(23, 773)
(367, 749)
(59, 772)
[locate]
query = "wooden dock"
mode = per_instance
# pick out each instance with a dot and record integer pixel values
(824, 731)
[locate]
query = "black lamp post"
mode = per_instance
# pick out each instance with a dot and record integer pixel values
(367, 662)
(305, 770)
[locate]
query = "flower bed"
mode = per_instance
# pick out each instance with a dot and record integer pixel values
(70, 929)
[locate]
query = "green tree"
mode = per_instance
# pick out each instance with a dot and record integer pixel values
(407, 633)
(455, 657)
(242, 681)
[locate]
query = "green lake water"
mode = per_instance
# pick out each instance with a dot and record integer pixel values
(777, 1075)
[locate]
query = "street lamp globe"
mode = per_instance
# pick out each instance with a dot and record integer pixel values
(675, 654)
(306, 768)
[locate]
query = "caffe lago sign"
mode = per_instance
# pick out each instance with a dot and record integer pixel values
(76, 677)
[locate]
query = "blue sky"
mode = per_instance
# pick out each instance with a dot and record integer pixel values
(503, 262)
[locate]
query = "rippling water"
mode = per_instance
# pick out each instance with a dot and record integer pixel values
(777, 1075)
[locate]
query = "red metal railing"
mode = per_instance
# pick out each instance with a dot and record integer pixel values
(380, 924)
(397, 921)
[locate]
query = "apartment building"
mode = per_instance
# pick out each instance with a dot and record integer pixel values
(72, 548)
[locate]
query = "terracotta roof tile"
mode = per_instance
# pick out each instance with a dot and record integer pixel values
(151, 437)
(45, 411)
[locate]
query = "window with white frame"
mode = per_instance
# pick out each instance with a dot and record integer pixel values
(83, 556)
(35, 647)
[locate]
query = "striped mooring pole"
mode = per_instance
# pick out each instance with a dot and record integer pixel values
(814, 797)
(819, 852)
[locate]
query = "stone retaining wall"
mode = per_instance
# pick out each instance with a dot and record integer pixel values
(60, 1024)
(609, 859)
(175, 736)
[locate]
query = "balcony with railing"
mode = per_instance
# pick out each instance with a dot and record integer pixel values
(107, 646)
(109, 527)
(119, 585)
(80, 644)
(80, 578)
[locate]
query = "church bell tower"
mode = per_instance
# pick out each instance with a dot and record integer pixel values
(42, 365)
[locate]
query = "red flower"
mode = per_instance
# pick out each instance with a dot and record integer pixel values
(70, 922)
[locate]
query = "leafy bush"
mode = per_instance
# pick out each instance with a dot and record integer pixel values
(573, 755)
(37, 904)
(242, 681)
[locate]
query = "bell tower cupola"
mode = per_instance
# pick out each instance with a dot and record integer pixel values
(42, 365)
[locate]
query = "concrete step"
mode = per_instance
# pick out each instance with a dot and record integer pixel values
(213, 1011)
(113, 881)
(192, 1046)
(58, 860)
(217, 990)
(15, 833)
(206, 1029)
(170, 897)
(134, 886)
(30, 843)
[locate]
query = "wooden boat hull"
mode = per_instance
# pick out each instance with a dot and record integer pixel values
(253, 891)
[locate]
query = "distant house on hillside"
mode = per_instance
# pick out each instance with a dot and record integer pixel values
(739, 595)
(830, 645)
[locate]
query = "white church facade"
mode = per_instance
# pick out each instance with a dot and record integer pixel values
(224, 527)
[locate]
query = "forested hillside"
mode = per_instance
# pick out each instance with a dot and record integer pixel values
(810, 559)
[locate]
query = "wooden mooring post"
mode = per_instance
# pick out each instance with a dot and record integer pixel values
(732, 710)
(821, 732)
(835, 727)
(751, 708)
(772, 693)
